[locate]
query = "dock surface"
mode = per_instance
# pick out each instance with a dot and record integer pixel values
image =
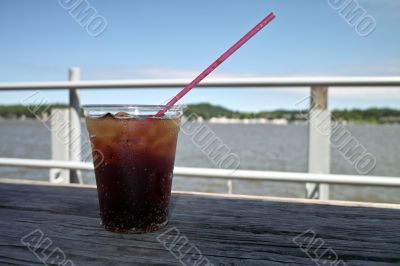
(43, 224)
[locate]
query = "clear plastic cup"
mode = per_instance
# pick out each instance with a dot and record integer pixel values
(134, 176)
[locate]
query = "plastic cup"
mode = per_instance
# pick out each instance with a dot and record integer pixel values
(134, 176)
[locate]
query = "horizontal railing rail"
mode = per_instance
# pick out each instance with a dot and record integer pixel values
(260, 82)
(224, 173)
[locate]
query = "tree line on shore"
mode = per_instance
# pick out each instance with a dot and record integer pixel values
(370, 115)
(207, 111)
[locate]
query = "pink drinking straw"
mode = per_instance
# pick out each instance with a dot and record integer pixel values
(217, 62)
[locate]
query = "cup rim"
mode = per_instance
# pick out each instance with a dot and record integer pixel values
(93, 106)
(133, 110)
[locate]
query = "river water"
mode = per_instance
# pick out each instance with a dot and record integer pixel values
(259, 147)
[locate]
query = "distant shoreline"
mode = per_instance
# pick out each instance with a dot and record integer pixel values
(220, 115)
(236, 122)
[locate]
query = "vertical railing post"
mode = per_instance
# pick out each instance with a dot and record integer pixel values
(319, 141)
(59, 122)
(74, 125)
(229, 185)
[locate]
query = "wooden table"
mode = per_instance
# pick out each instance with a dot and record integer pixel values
(60, 224)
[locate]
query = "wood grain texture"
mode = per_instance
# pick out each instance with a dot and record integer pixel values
(227, 231)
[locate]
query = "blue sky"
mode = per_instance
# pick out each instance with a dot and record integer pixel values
(40, 40)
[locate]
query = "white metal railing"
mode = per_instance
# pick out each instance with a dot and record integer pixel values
(224, 173)
(319, 146)
(256, 82)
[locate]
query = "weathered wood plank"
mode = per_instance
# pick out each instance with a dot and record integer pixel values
(221, 195)
(227, 231)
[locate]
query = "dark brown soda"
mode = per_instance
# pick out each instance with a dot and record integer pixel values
(134, 177)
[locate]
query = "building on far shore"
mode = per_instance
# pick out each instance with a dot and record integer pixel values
(226, 120)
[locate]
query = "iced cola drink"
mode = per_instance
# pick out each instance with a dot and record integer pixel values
(137, 153)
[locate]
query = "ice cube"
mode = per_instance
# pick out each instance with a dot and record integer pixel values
(108, 115)
(121, 114)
